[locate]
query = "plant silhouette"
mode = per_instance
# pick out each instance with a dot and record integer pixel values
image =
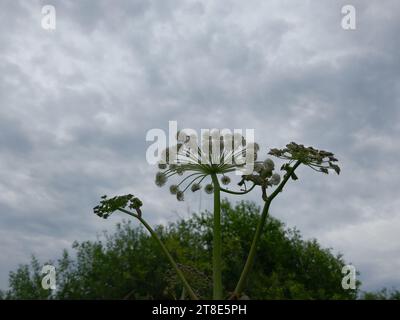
(211, 162)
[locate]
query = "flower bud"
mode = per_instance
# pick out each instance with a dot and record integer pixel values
(180, 196)
(161, 179)
(162, 166)
(195, 187)
(225, 180)
(174, 189)
(275, 179)
(209, 188)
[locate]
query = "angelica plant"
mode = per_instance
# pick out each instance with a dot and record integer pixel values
(131, 205)
(208, 165)
(295, 155)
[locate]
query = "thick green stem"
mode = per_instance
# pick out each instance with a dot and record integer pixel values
(252, 253)
(250, 259)
(217, 242)
(166, 252)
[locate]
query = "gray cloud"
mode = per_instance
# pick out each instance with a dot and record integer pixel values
(76, 105)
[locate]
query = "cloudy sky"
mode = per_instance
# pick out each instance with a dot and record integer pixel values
(76, 104)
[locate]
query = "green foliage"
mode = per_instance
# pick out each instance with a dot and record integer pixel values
(383, 294)
(129, 264)
(25, 282)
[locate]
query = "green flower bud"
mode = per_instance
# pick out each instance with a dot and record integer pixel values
(266, 173)
(180, 196)
(179, 170)
(209, 188)
(174, 189)
(162, 166)
(258, 167)
(225, 180)
(161, 179)
(195, 187)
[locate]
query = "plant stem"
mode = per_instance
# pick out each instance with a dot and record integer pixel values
(217, 242)
(183, 294)
(250, 259)
(166, 252)
(237, 193)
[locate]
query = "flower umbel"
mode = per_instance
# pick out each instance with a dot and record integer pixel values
(262, 176)
(217, 154)
(108, 206)
(319, 160)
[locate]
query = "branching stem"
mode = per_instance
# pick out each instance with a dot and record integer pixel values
(250, 259)
(166, 252)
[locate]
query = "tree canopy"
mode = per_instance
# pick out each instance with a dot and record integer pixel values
(128, 264)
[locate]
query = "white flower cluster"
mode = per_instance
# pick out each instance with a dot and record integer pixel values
(218, 153)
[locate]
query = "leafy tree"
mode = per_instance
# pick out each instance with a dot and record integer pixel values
(383, 294)
(25, 282)
(128, 264)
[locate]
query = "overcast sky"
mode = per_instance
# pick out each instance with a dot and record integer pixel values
(76, 103)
